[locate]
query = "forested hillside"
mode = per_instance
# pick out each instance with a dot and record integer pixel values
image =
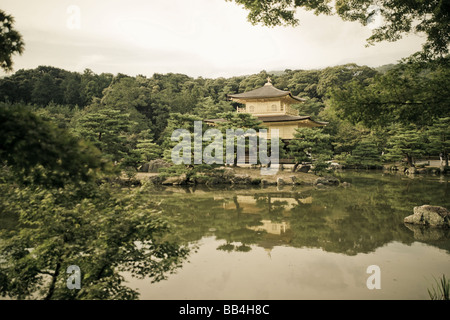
(369, 110)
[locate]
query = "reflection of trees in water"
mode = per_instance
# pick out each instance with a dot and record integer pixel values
(116, 233)
(365, 216)
(358, 219)
(197, 216)
(271, 205)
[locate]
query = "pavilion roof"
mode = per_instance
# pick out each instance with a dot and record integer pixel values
(265, 92)
(279, 118)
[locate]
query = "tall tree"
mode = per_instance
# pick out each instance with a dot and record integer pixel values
(439, 138)
(46, 90)
(244, 121)
(405, 143)
(366, 154)
(134, 96)
(208, 109)
(40, 153)
(106, 128)
(409, 93)
(311, 145)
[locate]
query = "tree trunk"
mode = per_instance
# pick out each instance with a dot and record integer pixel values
(51, 289)
(294, 168)
(409, 160)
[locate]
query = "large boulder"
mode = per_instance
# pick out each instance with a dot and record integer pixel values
(241, 179)
(144, 167)
(176, 180)
(202, 178)
(304, 168)
(411, 170)
(155, 165)
(327, 181)
(427, 215)
(280, 181)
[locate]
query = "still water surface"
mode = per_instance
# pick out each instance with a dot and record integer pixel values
(305, 242)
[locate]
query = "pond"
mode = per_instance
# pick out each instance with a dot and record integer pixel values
(305, 242)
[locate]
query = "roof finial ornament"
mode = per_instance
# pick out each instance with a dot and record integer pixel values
(269, 82)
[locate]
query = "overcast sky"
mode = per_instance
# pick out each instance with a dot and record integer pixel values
(208, 38)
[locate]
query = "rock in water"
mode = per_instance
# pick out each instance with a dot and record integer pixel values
(177, 180)
(280, 182)
(327, 181)
(427, 215)
(304, 168)
(241, 179)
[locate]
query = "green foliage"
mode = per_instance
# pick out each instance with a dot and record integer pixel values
(244, 121)
(441, 291)
(405, 143)
(40, 153)
(280, 12)
(106, 128)
(50, 184)
(234, 120)
(60, 115)
(357, 101)
(334, 78)
(145, 151)
(11, 41)
(208, 109)
(178, 121)
(311, 107)
(367, 154)
(104, 233)
(46, 84)
(410, 93)
(439, 138)
(311, 145)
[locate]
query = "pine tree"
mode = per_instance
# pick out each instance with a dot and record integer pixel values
(366, 154)
(405, 143)
(243, 121)
(106, 128)
(311, 145)
(439, 138)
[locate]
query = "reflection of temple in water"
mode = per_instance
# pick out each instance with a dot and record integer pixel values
(256, 204)
(274, 209)
(271, 227)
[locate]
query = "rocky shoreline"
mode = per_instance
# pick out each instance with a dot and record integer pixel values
(159, 172)
(243, 176)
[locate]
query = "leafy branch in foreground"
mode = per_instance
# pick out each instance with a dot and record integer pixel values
(399, 18)
(10, 41)
(50, 182)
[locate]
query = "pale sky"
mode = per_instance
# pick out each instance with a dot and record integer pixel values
(208, 38)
